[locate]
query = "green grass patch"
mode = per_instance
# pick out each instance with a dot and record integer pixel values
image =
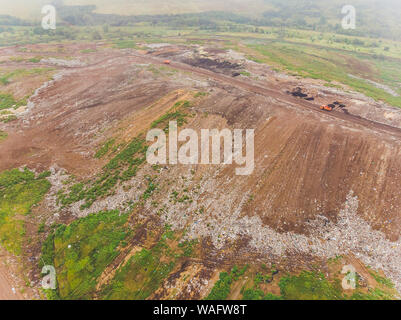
(373, 294)
(35, 59)
(200, 94)
(21, 73)
(313, 286)
(4, 80)
(333, 65)
(82, 250)
(152, 186)
(222, 287)
(258, 294)
(105, 149)
(88, 50)
(140, 277)
(310, 286)
(19, 191)
(126, 44)
(177, 113)
(382, 280)
(9, 118)
(145, 271)
(255, 292)
(8, 101)
(3, 135)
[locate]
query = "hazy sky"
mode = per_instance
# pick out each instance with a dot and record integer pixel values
(32, 8)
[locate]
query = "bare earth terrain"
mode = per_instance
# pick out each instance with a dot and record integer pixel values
(6, 292)
(324, 184)
(9, 286)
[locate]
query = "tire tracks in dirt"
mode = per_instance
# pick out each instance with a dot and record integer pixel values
(6, 286)
(276, 94)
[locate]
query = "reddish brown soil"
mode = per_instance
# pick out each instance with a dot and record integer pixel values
(62, 127)
(314, 159)
(304, 156)
(306, 160)
(6, 286)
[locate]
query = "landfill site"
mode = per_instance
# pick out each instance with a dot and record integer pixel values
(327, 160)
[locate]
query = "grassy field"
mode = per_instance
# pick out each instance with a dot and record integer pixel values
(144, 272)
(350, 69)
(19, 192)
(307, 285)
(365, 45)
(7, 99)
(82, 250)
(367, 65)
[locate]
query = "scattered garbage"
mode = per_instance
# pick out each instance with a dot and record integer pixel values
(63, 62)
(297, 92)
(215, 65)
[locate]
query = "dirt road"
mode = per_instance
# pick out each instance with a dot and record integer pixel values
(277, 94)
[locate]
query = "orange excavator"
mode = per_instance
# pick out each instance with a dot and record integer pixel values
(326, 108)
(167, 62)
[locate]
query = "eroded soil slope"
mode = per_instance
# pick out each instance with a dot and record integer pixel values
(324, 184)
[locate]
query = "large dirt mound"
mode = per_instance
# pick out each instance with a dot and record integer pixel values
(313, 170)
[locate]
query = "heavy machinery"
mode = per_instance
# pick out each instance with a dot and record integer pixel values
(167, 62)
(326, 108)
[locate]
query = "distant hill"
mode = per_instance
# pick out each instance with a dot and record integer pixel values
(329, 8)
(379, 18)
(28, 9)
(151, 7)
